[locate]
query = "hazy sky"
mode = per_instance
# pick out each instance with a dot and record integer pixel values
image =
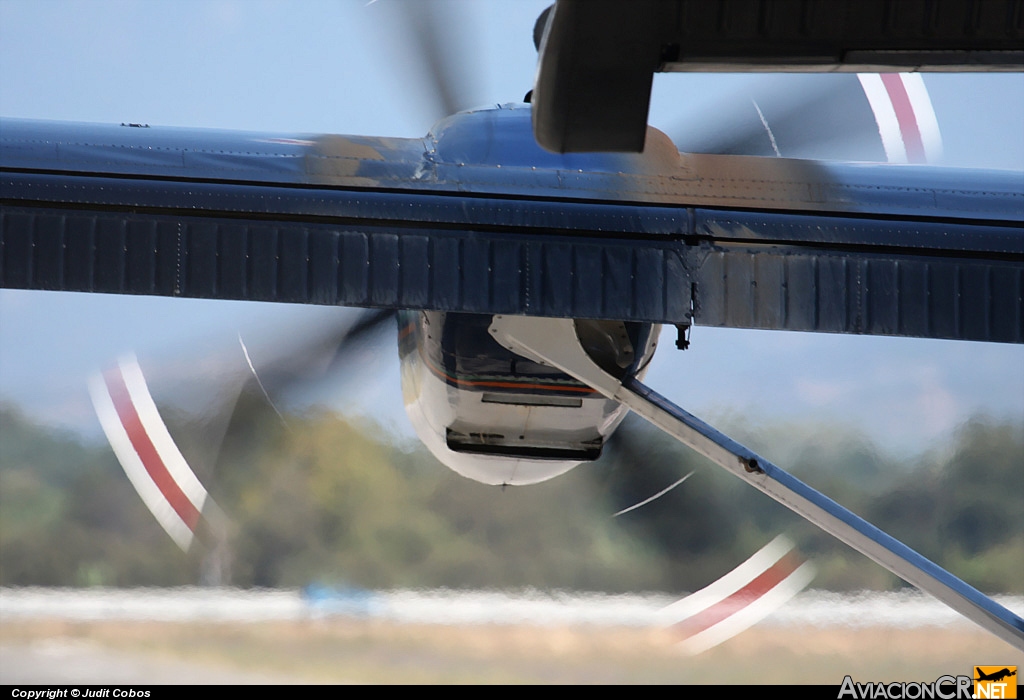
(346, 67)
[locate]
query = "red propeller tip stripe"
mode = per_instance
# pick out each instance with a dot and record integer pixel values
(741, 598)
(146, 451)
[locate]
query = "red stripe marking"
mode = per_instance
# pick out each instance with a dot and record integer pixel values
(726, 607)
(147, 451)
(909, 130)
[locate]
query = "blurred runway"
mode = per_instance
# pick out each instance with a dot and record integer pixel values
(68, 661)
(904, 609)
(225, 636)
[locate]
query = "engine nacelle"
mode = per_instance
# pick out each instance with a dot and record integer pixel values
(499, 418)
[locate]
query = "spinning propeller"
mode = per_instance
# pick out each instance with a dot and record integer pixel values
(152, 460)
(807, 116)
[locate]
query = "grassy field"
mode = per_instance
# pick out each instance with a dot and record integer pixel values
(366, 651)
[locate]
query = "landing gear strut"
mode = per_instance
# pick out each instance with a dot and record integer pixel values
(554, 342)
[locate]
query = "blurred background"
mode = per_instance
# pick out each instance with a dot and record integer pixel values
(923, 438)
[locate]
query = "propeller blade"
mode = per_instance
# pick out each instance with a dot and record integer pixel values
(431, 29)
(151, 458)
(307, 361)
(655, 497)
(740, 599)
(147, 452)
(866, 117)
(301, 365)
(364, 331)
(905, 117)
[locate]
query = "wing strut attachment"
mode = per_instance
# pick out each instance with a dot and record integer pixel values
(554, 342)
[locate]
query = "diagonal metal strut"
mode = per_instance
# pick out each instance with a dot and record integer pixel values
(554, 342)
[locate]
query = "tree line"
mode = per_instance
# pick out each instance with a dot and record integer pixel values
(332, 500)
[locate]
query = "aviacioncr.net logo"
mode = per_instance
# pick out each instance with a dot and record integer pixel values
(942, 688)
(995, 682)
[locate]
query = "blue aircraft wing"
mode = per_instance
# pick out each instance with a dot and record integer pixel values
(477, 218)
